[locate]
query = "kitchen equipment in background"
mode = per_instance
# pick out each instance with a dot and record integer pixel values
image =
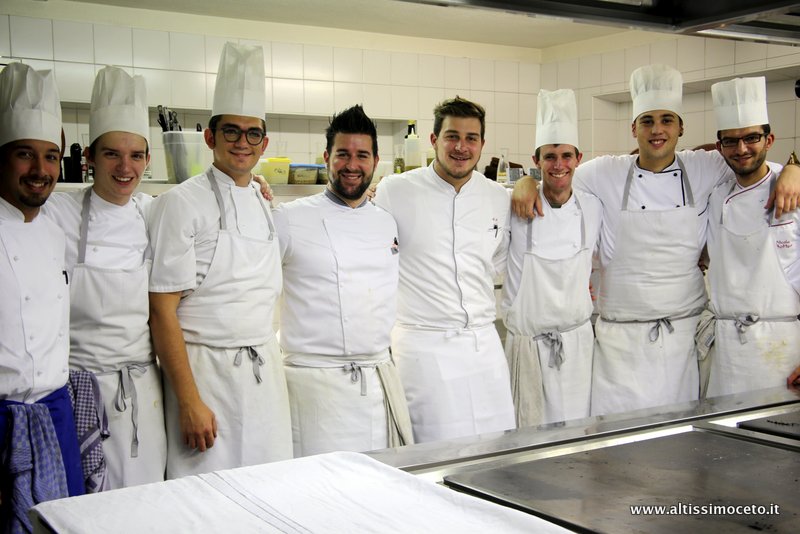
(72, 164)
(276, 170)
(502, 166)
(514, 174)
(430, 155)
(399, 159)
(187, 155)
(413, 156)
(304, 173)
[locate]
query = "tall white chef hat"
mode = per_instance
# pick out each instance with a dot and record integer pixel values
(740, 103)
(119, 104)
(557, 118)
(29, 105)
(656, 87)
(240, 88)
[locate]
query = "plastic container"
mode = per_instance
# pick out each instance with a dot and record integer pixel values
(187, 155)
(304, 173)
(276, 170)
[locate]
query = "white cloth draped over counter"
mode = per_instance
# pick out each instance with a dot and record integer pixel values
(336, 492)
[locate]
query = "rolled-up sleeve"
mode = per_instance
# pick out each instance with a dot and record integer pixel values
(172, 229)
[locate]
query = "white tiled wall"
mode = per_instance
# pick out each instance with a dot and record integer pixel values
(310, 81)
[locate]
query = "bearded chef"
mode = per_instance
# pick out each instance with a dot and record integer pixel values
(546, 299)
(453, 236)
(340, 261)
(215, 279)
(754, 273)
(108, 264)
(651, 290)
(39, 454)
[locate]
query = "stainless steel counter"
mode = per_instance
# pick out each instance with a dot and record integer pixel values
(585, 474)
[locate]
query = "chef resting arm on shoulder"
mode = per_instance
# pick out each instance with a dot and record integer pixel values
(785, 197)
(198, 423)
(794, 378)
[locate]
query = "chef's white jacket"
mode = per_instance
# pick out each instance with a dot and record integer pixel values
(187, 232)
(743, 209)
(605, 176)
(34, 308)
(331, 305)
(453, 245)
(117, 237)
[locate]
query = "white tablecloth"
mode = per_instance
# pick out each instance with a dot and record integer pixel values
(335, 492)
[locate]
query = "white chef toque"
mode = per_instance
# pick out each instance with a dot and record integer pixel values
(740, 103)
(656, 87)
(29, 105)
(119, 104)
(557, 118)
(240, 88)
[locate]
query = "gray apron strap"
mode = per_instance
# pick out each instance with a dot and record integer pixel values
(355, 375)
(222, 222)
(84, 232)
(684, 182)
(555, 341)
(126, 389)
(254, 356)
(745, 320)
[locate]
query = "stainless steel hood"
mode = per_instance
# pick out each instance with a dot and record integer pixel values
(765, 21)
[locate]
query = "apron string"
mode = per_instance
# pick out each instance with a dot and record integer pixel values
(222, 220)
(126, 389)
(254, 356)
(743, 321)
(687, 187)
(355, 375)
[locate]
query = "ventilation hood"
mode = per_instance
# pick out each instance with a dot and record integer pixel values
(751, 20)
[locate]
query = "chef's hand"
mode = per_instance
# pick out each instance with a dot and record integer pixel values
(266, 190)
(525, 199)
(371, 190)
(198, 425)
(786, 196)
(794, 378)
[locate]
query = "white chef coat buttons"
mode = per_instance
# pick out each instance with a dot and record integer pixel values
(39, 373)
(30, 337)
(16, 258)
(92, 217)
(59, 296)
(574, 245)
(642, 207)
(27, 298)
(94, 249)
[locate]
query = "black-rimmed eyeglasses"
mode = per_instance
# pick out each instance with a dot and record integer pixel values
(749, 139)
(232, 134)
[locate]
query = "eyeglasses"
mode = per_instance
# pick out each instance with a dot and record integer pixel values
(749, 139)
(232, 134)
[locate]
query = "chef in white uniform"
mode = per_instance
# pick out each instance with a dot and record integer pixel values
(754, 270)
(215, 279)
(108, 264)
(39, 454)
(651, 290)
(340, 270)
(546, 299)
(453, 234)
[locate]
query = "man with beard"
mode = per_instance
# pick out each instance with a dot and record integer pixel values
(340, 269)
(216, 277)
(453, 226)
(754, 270)
(39, 453)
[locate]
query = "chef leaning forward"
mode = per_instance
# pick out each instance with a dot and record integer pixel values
(39, 454)
(340, 263)
(215, 278)
(753, 273)
(651, 290)
(108, 264)
(453, 235)
(546, 297)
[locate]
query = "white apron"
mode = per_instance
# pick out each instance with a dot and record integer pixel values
(757, 334)
(339, 403)
(552, 309)
(651, 295)
(110, 337)
(234, 356)
(456, 381)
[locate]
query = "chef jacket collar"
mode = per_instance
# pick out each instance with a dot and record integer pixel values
(336, 200)
(10, 212)
(669, 168)
(444, 185)
(224, 179)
